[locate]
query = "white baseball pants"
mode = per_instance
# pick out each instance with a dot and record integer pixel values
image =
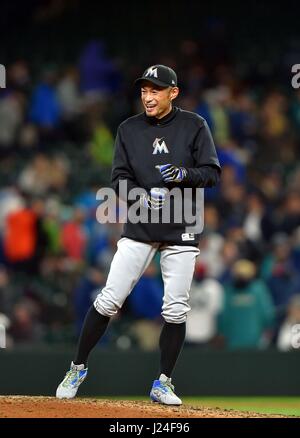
(128, 265)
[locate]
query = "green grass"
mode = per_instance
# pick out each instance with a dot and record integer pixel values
(261, 405)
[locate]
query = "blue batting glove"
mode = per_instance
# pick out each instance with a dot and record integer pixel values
(171, 173)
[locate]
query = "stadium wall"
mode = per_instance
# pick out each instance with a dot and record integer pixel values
(115, 373)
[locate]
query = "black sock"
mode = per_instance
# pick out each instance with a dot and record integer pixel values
(93, 328)
(170, 342)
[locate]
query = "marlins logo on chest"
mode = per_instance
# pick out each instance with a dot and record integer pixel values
(160, 146)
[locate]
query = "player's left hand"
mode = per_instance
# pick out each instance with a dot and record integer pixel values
(171, 173)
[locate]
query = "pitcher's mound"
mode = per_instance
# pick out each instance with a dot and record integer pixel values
(50, 407)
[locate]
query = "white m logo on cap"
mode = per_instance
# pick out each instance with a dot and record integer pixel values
(151, 72)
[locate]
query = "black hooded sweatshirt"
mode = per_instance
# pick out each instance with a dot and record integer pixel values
(181, 138)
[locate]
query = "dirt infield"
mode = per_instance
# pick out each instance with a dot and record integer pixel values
(50, 407)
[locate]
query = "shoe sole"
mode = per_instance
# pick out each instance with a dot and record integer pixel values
(163, 403)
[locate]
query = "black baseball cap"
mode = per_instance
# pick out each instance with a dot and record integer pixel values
(159, 75)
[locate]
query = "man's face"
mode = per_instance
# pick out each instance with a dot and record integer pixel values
(157, 100)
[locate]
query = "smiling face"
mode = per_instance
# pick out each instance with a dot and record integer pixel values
(157, 100)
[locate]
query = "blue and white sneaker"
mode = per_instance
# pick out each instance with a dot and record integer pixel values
(163, 392)
(72, 380)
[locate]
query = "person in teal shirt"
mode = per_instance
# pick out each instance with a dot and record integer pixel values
(248, 312)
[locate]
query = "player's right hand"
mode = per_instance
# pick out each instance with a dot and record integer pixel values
(171, 173)
(155, 200)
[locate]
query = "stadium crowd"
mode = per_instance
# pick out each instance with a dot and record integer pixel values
(56, 146)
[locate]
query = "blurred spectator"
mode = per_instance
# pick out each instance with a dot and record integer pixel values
(59, 170)
(212, 242)
(98, 75)
(87, 200)
(74, 237)
(271, 185)
(204, 111)
(11, 117)
(10, 201)
(103, 244)
(218, 100)
(274, 116)
(232, 205)
(229, 255)
(52, 225)
(20, 238)
(145, 301)
(206, 301)
(44, 174)
(291, 217)
(28, 137)
(146, 333)
(284, 218)
(282, 277)
(85, 293)
(45, 110)
(25, 327)
(25, 240)
(248, 310)
(247, 248)
(255, 209)
(102, 145)
(34, 179)
(244, 120)
(68, 94)
(19, 76)
(233, 169)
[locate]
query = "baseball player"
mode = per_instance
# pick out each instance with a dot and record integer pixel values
(156, 151)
